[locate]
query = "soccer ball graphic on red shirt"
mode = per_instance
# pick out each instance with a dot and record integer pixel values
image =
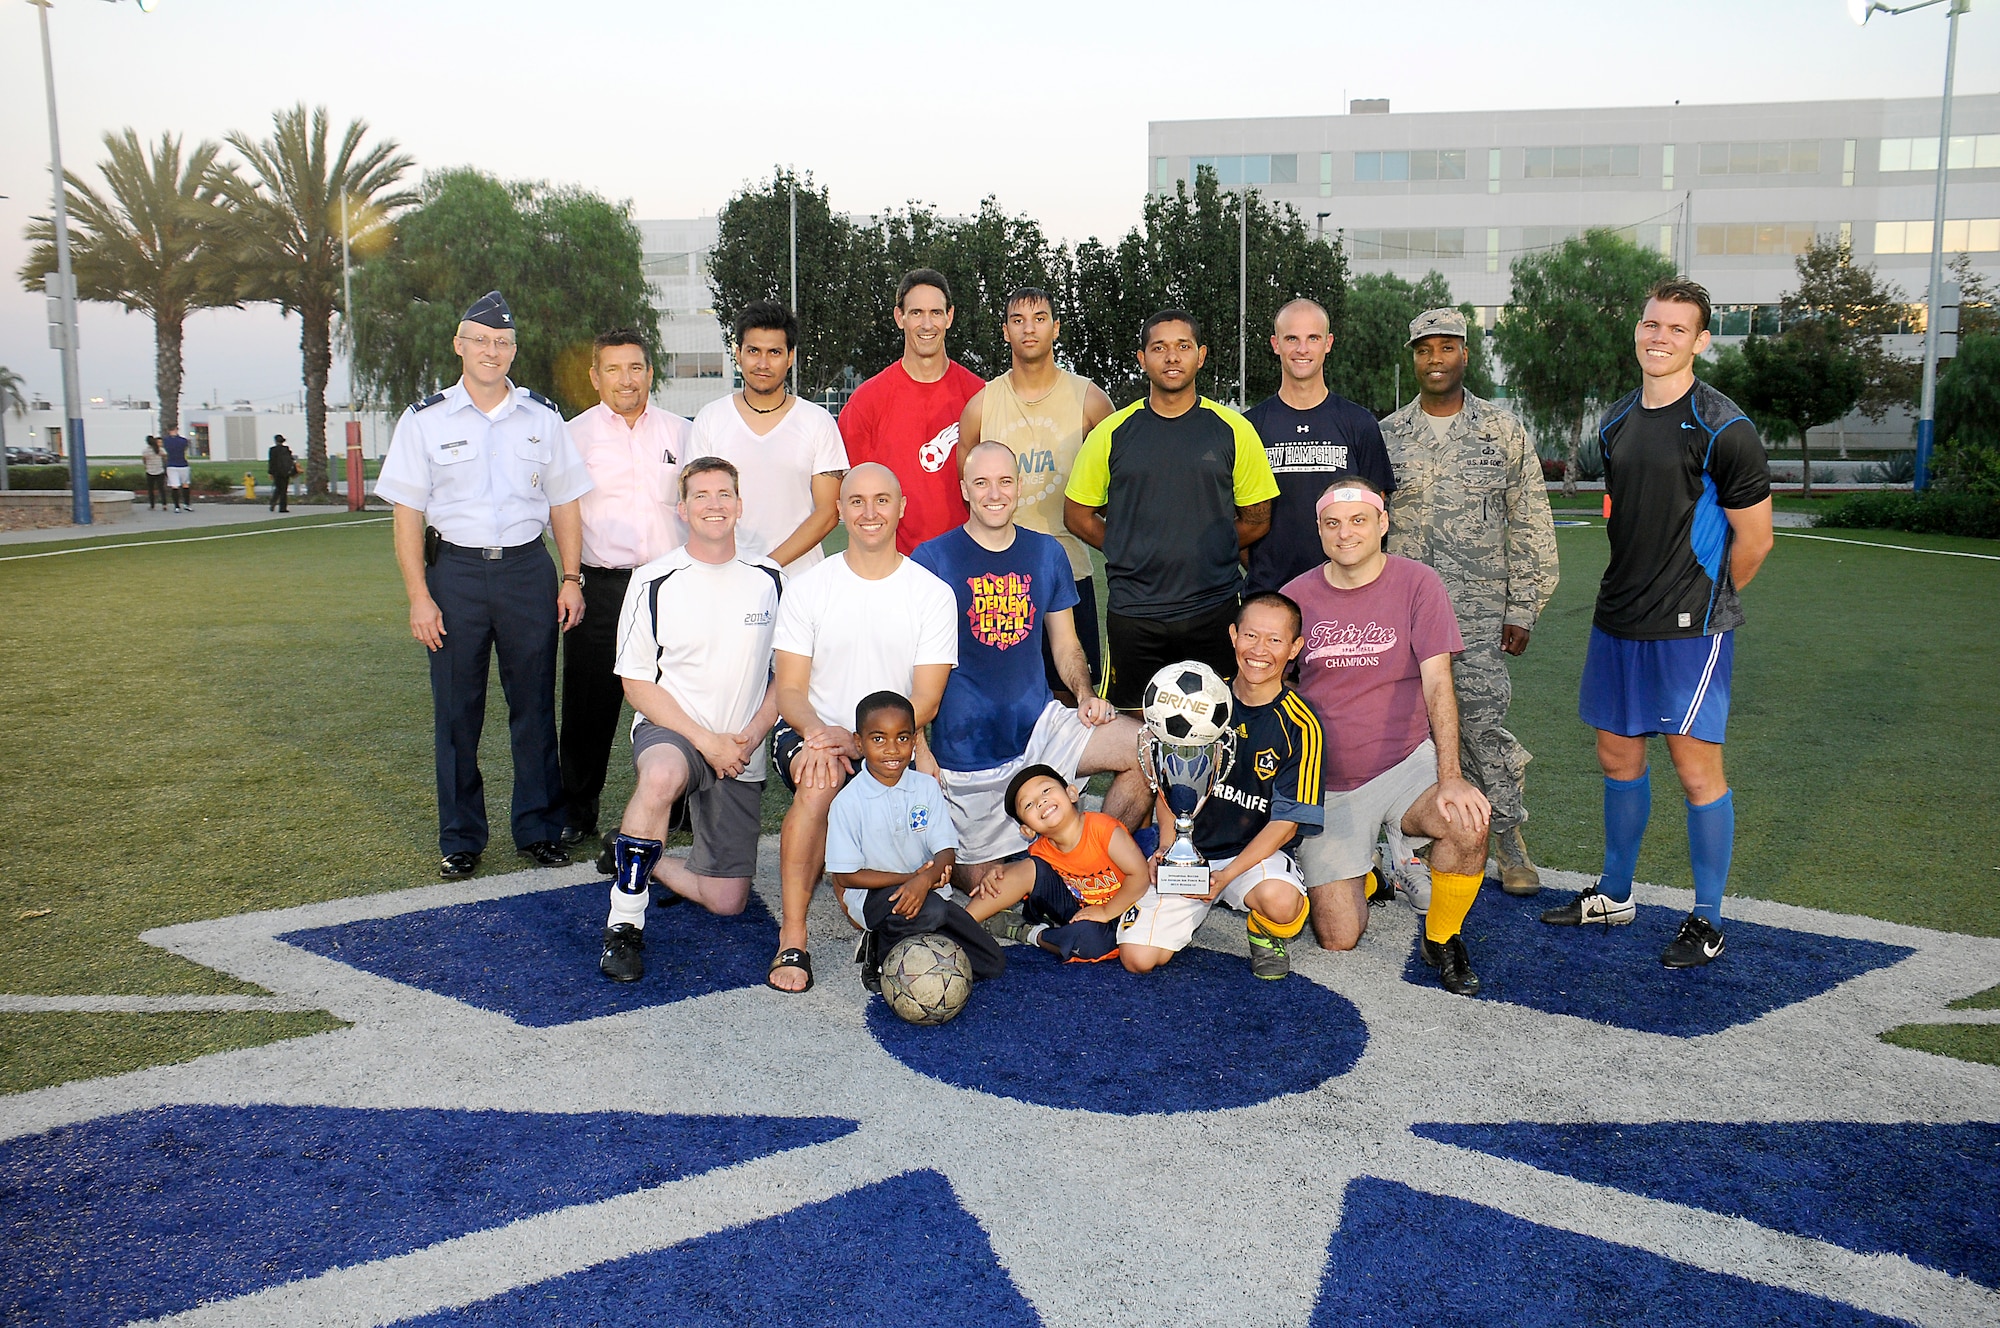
(927, 979)
(1187, 704)
(932, 455)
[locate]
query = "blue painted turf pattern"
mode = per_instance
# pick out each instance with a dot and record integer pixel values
(533, 957)
(1928, 1192)
(901, 1251)
(152, 1212)
(1197, 1034)
(1614, 975)
(1403, 1257)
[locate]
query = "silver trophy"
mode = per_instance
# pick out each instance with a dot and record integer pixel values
(1188, 772)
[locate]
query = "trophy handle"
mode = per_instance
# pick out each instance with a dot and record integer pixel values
(1147, 743)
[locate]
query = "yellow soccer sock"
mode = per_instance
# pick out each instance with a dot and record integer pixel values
(1451, 899)
(1284, 931)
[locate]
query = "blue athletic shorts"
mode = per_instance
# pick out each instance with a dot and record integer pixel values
(1644, 687)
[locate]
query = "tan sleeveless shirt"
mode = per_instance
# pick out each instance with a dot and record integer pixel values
(1046, 436)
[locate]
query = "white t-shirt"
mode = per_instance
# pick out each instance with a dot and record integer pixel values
(714, 654)
(865, 636)
(777, 470)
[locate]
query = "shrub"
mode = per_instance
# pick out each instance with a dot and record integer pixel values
(1927, 513)
(1971, 468)
(1899, 468)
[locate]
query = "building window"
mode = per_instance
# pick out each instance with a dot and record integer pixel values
(1159, 172)
(1847, 235)
(1326, 175)
(665, 265)
(1392, 245)
(1739, 320)
(1968, 152)
(1579, 163)
(1493, 170)
(1978, 236)
(1847, 163)
(1546, 237)
(702, 364)
(1492, 248)
(1424, 164)
(1715, 239)
(1783, 157)
(1667, 166)
(1666, 241)
(1282, 168)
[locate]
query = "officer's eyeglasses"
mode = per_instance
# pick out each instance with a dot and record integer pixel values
(489, 343)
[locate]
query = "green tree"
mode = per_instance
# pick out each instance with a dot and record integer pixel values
(752, 261)
(1567, 335)
(1184, 253)
(1854, 308)
(569, 263)
(147, 243)
(12, 402)
(1804, 377)
(1978, 310)
(1968, 418)
(281, 231)
(1370, 363)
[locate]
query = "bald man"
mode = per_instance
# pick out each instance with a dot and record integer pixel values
(867, 621)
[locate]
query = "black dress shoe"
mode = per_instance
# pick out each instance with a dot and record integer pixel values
(544, 853)
(607, 861)
(458, 866)
(573, 835)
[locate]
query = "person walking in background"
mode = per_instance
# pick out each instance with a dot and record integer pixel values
(1471, 505)
(282, 465)
(180, 475)
(154, 458)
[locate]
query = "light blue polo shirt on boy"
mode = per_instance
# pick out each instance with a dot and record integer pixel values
(897, 827)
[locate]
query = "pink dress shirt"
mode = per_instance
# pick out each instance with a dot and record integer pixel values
(628, 519)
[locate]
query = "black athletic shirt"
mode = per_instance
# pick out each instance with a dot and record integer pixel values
(1170, 487)
(1671, 474)
(1275, 778)
(1307, 449)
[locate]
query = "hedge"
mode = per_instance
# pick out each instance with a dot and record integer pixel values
(1927, 513)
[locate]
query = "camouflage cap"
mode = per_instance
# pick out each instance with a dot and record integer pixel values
(1437, 323)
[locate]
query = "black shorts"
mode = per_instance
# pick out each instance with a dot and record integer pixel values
(786, 744)
(1141, 647)
(1084, 615)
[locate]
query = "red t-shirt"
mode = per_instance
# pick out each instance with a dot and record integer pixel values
(912, 428)
(1361, 670)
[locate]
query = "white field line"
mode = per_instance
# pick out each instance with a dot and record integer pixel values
(198, 539)
(1871, 544)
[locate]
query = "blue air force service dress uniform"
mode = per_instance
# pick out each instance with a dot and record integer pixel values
(485, 484)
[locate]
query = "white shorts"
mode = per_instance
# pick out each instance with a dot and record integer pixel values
(986, 833)
(179, 477)
(1344, 848)
(1168, 922)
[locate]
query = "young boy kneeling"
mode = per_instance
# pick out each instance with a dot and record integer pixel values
(890, 847)
(1270, 798)
(1082, 874)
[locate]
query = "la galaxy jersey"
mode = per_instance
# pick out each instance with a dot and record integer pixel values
(1275, 777)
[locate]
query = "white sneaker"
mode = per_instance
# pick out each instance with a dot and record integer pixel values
(1592, 907)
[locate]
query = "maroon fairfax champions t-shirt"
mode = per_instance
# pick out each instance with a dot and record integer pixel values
(1361, 669)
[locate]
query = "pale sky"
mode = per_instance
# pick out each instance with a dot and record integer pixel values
(676, 107)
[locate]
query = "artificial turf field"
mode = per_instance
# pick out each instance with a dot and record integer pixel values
(485, 1132)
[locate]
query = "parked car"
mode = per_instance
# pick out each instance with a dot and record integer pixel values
(32, 456)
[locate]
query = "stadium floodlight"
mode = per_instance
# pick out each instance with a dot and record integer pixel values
(1861, 11)
(61, 288)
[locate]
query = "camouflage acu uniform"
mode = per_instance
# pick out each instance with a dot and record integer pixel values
(1475, 509)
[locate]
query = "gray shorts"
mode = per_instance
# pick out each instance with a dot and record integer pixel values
(724, 813)
(1345, 846)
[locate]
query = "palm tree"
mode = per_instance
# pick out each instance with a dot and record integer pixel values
(283, 229)
(148, 246)
(11, 403)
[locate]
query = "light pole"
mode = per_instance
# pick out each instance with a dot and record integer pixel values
(62, 330)
(1242, 294)
(792, 181)
(1861, 11)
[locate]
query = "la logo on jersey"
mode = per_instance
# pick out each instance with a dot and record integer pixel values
(1348, 645)
(932, 455)
(1003, 608)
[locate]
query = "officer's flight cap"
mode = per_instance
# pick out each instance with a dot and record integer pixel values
(490, 310)
(1437, 323)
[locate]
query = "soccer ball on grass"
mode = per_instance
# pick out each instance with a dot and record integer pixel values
(927, 979)
(1187, 704)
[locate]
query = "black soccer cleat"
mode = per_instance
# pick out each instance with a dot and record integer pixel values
(1591, 908)
(1698, 942)
(624, 958)
(868, 954)
(1453, 964)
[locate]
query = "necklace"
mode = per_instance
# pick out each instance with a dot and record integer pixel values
(784, 395)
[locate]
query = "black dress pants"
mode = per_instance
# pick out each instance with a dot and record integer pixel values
(593, 694)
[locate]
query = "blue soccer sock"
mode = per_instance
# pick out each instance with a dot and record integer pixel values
(1628, 804)
(1711, 839)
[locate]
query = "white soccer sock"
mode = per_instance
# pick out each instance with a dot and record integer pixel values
(627, 908)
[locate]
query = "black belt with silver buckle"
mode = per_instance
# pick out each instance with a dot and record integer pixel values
(491, 552)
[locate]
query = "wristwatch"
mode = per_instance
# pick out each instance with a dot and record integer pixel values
(576, 577)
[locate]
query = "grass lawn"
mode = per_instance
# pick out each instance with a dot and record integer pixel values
(204, 729)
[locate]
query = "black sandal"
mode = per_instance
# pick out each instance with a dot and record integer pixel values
(791, 957)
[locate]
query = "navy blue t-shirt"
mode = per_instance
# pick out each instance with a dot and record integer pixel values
(177, 449)
(999, 689)
(1307, 449)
